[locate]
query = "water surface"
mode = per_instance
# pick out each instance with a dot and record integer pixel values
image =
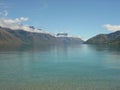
(82, 67)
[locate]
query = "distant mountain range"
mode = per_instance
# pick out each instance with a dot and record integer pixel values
(21, 37)
(109, 39)
(10, 37)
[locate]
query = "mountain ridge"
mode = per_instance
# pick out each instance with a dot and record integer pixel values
(33, 38)
(110, 39)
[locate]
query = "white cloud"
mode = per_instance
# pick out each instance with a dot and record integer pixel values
(12, 23)
(112, 27)
(20, 20)
(16, 24)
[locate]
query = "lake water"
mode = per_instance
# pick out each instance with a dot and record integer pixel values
(82, 67)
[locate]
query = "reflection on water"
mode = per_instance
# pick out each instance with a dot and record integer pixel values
(111, 58)
(105, 48)
(80, 67)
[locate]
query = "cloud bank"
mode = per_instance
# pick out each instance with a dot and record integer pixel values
(16, 24)
(13, 23)
(112, 27)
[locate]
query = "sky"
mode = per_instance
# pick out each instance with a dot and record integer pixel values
(84, 18)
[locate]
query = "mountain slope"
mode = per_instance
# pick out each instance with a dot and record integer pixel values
(6, 38)
(9, 37)
(111, 39)
(30, 38)
(70, 40)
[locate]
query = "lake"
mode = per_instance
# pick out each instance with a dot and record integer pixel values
(80, 67)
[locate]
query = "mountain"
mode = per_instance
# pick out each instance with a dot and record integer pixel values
(110, 39)
(70, 40)
(7, 38)
(12, 37)
(25, 37)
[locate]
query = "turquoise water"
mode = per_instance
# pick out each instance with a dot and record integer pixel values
(82, 67)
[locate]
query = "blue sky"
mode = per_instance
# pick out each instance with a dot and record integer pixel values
(84, 18)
